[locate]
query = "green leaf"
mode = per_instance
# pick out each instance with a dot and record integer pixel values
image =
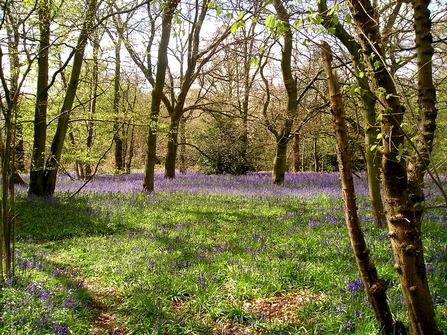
(254, 62)
(348, 18)
(241, 15)
(379, 136)
(270, 21)
(234, 27)
(335, 20)
(219, 11)
(361, 74)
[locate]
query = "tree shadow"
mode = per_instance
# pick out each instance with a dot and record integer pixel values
(60, 217)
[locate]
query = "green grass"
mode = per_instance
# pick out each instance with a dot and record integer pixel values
(209, 262)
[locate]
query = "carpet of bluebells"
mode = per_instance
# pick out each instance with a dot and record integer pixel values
(203, 255)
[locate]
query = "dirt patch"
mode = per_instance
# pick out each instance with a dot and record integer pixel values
(281, 308)
(105, 321)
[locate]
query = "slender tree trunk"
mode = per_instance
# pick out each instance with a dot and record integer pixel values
(290, 84)
(6, 200)
(14, 65)
(52, 164)
(130, 150)
(182, 155)
(92, 107)
(375, 286)
(171, 155)
(371, 127)
(78, 164)
(404, 225)
(119, 161)
(296, 153)
(420, 161)
(157, 92)
(36, 186)
(316, 161)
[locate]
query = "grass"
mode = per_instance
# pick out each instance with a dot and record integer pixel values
(203, 255)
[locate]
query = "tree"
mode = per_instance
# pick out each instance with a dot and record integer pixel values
(37, 168)
(402, 185)
(372, 130)
(195, 60)
(375, 286)
(162, 63)
(44, 171)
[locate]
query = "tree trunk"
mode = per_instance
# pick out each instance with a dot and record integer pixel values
(371, 127)
(130, 150)
(171, 155)
(420, 161)
(182, 155)
(404, 226)
(316, 161)
(36, 186)
(119, 161)
(92, 106)
(290, 84)
(52, 164)
(296, 153)
(78, 164)
(279, 164)
(375, 286)
(157, 92)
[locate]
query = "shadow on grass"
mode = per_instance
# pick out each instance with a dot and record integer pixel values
(46, 297)
(59, 217)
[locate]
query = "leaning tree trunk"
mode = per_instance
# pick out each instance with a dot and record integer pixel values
(375, 286)
(52, 164)
(371, 127)
(404, 225)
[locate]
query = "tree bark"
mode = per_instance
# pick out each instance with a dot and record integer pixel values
(182, 155)
(157, 93)
(171, 155)
(375, 286)
(296, 153)
(279, 164)
(404, 225)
